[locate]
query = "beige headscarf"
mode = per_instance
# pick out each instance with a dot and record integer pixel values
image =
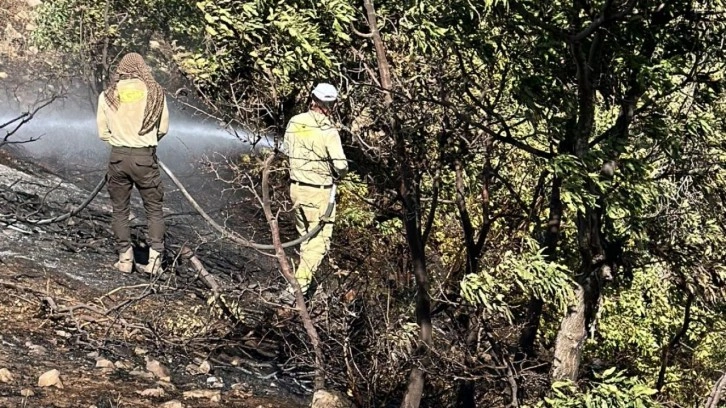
(132, 65)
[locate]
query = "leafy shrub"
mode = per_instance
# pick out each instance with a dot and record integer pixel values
(609, 389)
(527, 272)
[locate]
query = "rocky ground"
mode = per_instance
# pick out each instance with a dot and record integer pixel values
(74, 333)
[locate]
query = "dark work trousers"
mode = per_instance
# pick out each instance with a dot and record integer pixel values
(129, 167)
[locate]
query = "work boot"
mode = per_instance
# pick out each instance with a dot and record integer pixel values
(153, 267)
(125, 262)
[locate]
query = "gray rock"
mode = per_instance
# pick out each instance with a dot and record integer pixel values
(152, 392)
(6, 376)
(212, 395)
(49, 379)
(158, 369)
(142, 374)
(330, 399)
(205, 368)
(103, 363)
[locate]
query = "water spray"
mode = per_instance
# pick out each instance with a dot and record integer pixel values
(57, 118)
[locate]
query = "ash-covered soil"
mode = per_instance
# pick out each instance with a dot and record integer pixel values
(63, 307)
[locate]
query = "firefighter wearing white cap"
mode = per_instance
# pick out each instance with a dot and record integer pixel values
(316, 160)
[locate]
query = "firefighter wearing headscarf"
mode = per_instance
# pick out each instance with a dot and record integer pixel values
(316, 160)
(132, 117)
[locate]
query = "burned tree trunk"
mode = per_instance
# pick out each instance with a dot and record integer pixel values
(466, 394)
(286, 270)
(570, 339)
(416, 245)
(415, 388)
(573, 329)
(596, 264)
(670, 349)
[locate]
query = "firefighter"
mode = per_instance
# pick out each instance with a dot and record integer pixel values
(316, 161)
(132, 117)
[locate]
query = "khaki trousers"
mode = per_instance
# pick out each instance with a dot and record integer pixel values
(129, 167)
(310, 204)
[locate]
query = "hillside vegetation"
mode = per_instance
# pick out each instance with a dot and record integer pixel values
(535, 215)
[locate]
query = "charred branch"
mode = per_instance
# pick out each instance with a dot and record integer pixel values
(12, 126)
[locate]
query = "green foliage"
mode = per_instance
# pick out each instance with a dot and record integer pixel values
(527, 272)
(95, 33)
(608, 389)
(352, 209)
(280, 42)
(638, 321)
(53, 18)
(391, 227)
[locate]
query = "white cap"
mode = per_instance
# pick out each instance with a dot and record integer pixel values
(325, 92)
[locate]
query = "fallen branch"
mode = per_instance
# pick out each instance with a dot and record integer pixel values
(120, 288)
(209, 281)
(205, 276)
(235, 237)
(15, 286)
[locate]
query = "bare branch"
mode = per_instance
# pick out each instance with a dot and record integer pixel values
(21, 120)
(286, 270)
(384, 70)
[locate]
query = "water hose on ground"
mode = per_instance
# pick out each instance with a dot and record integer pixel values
(226, 233)
(233, 236)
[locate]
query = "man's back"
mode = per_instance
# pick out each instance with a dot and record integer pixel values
(121, 127)
(313, 146)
